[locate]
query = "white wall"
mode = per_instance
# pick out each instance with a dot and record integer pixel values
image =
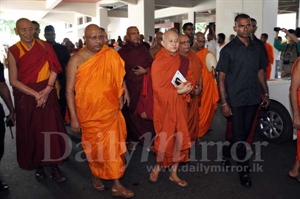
(117, 27)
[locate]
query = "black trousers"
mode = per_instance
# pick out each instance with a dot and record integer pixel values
(62, 102)
(2, 135)
(242, 120)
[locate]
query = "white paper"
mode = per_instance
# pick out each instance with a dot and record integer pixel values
(179, 76)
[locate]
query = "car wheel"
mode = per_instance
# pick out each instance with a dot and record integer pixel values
(275, 124)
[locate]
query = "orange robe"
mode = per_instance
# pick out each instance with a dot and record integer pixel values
(209, 97)
(298, 131)
(172, 141)
(193, 107)
(270, 52)
(98, 88)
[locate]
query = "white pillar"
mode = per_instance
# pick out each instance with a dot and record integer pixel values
(299, 15)
(269, 21)
(103, 18)
(191, 17)
(264, 11)
(141, 15)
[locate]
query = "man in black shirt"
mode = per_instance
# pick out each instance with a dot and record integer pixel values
(63, 56)
(4, 93)
(241, 77)
(253, 30)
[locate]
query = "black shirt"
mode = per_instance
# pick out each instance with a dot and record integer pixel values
(63, 56)
(261, 44)
(2, 79)
(241, 65)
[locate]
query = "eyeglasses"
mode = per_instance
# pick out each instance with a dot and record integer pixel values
(185, 43)
(94, 38)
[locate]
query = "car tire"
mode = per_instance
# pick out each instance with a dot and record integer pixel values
(275, 123)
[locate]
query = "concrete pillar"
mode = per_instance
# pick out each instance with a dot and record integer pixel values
(191, 17)
(103, 18)
(264, 11)
(269, 21)
(298, 15)
(141, 15)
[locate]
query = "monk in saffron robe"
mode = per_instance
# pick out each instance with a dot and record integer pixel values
(196, 67)
(137, 65)
(172, 141)
(157, 46)
(295, 101)
(270, 53)
(33, 67)
(95, 78)
(210, 93)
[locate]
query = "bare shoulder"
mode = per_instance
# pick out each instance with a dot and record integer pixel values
(77, 59)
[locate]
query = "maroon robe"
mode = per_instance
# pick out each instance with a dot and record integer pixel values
(35, 125)
(135, 55)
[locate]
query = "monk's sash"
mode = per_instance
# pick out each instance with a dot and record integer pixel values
(30, 62)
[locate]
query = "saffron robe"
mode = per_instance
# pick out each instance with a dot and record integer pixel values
(193, 106)
(98, 87)
(172, 141)
(270, 53)
(209, 97)
(136, 55)
(298, 130)
(39, 131)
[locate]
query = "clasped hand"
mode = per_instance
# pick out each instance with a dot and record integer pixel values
(42, 96)
(184, 88)
(140, 71)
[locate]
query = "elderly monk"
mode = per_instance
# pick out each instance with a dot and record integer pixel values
(196, 67)
(210, 94)
(157, 47)
(33, 67)
(172, 141)
(295, 100)
(137, 65)
(95, 99)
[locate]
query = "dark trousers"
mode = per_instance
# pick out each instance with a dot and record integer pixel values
(2, 135)
(242, 120)
(62, 102)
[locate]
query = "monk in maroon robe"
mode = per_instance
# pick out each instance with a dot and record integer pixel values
(40, 131)
(137, 65)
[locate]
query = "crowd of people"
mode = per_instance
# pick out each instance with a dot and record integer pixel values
(161, 94)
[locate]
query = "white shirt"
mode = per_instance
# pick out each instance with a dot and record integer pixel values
(219, 48)
(211, 46)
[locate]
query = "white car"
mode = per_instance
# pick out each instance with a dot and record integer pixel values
(275, 123)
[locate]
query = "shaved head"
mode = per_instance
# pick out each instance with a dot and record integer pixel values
(158, 37)
(174, 29)
(94, 38)
(90, 28)
(24, 28)
(199, 41)
(182, 37)
(170, 41)
(21, 21)
(184, 45)
(133, 35)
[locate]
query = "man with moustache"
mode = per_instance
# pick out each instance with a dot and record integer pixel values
(242, 63)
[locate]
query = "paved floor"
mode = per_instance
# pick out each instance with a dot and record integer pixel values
(270, 180)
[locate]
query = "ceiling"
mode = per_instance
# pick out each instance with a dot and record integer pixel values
(65, 10)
